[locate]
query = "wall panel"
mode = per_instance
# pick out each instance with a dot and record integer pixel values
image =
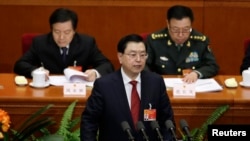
(106, 20)
(227, 25)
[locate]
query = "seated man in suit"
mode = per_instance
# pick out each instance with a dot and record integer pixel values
(111, 101)
(180, 50)
(246, 60)
(64, 47)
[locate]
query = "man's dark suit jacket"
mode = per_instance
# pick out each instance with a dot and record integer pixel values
(44, 50)
(108, 106)
(246, 60)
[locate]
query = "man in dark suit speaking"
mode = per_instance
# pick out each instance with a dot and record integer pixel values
(112, 100)
(64, 47)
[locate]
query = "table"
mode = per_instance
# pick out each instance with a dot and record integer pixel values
(196, 110)
(21, 101)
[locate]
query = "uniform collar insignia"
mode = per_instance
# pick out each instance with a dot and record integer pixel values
(153, 36)
(196, 37)
(203, 38)
(158, 36)
(169, 43)
(188, 44)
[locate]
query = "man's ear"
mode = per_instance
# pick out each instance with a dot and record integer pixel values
(167, 23)
(119, 56)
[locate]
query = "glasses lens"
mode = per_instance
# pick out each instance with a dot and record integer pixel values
(180, 30)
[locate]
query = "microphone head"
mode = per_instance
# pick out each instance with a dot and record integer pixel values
(125, 126)
(154, 125)
(183, 123)
(140, 125)
(169, 124)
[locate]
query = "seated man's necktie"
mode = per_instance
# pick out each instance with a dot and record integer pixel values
(64, 54)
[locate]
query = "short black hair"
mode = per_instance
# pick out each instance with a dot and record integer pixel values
(122, 44)
(63, 15)
(179, 12)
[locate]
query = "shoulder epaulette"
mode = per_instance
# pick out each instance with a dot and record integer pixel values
(198, 37)
(158, 35)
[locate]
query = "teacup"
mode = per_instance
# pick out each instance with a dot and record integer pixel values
(246, 77)
(39, 78)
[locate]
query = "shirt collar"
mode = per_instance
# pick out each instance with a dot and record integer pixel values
(126, 79)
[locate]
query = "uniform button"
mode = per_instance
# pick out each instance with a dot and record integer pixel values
(193, 67)
(179, 69)
(162, 66)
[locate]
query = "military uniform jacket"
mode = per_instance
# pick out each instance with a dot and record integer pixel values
(195, 54)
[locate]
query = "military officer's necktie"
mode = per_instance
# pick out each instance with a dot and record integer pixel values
(135, 103)
(64, 54)
(178, 47)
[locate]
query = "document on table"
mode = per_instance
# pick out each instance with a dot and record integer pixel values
(61, 79)
(201, 85)
(70, 76)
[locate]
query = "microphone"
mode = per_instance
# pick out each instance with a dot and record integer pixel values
(185, 128)
(126, 128)
(141, 127)
(169, 124)
(155, 126)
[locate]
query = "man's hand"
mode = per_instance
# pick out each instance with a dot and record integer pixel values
(91, 75)
(191, 77)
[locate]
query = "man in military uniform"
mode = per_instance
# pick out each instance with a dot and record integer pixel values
(180, 50)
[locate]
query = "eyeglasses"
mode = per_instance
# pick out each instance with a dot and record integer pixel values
(64, 33)
(180, 30)
(134, 55)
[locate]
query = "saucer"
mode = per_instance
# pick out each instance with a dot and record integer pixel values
(46, 85)
(241, 83)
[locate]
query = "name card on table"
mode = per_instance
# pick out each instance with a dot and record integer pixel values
(184, 90)
(74, 89)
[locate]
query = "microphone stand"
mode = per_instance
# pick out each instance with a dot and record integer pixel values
(126, 128)
(159, 134)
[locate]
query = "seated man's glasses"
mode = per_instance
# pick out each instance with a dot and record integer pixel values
(180, 30)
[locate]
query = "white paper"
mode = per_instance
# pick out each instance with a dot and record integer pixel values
(201, 85)
(60, 80)
(170, 82)
(74, 75)
(70, 76)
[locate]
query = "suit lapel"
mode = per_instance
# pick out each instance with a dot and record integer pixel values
(122, 96)
(55, 49)
(145, 95)
(73, 49)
